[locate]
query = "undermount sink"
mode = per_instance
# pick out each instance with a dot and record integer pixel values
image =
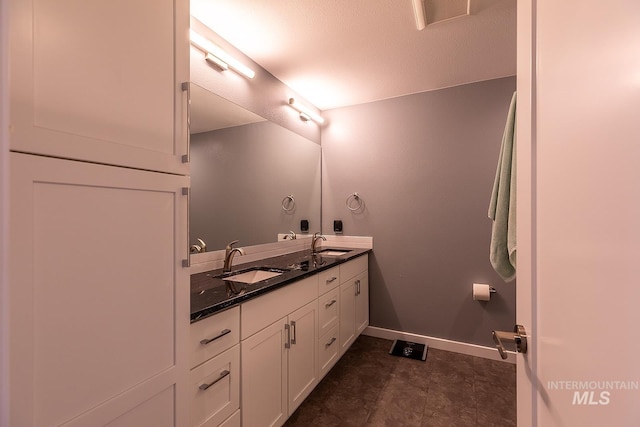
(333, 252)
(254, 275)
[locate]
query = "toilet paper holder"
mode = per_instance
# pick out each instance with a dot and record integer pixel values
(482, 292)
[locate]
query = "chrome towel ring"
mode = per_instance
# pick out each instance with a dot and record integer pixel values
(288, 203)
(354, 202)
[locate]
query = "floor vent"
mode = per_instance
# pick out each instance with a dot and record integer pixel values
(408, 349)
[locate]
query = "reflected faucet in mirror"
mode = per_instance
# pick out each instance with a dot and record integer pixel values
(291, 236)
(199, 247)
(314, 241)
(228, 255)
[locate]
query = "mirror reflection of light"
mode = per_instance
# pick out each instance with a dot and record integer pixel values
(321, 91)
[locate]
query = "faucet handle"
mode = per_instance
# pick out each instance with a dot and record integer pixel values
(229, 246)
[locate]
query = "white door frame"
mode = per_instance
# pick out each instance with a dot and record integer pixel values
(525, 139)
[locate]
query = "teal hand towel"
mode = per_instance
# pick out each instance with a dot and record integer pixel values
(502, 207)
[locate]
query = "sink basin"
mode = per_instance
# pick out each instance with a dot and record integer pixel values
(254, 275)
(334, 252)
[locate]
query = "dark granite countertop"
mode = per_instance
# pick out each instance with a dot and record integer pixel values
(210, 293)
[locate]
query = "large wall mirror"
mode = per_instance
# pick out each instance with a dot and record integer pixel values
(251, 179)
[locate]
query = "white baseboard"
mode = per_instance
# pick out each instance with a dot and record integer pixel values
(440, 344)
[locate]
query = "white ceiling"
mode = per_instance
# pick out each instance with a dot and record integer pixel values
(345, 52)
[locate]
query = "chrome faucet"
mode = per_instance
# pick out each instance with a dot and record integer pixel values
(199, 247)
(291, 236)
(314, 241)
(228, 255)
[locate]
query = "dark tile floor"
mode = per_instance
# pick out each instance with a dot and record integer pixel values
(369, 387)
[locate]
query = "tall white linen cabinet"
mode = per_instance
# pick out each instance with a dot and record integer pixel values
(99, 177)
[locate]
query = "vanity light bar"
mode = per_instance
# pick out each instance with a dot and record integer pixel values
(305, 112)
(420, 14)
(217, 56)
(212, 59)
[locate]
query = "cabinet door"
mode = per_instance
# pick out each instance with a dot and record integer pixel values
(101, 81)
(347, 315)
(264, 377)
(362, 302)
(303, 366)
(100, 301)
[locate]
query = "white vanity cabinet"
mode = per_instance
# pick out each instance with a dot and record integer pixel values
(354, 300)
(101, 81)
(99, 296)
(279, 355)
(99, 301)
(215, 369)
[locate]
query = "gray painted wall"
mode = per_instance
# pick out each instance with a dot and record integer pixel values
(424, 165)
(239, 177)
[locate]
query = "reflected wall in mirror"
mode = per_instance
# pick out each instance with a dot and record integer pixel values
(243, 167)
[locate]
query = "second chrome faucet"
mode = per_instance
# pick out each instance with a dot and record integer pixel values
(228, 255)
(314, 242)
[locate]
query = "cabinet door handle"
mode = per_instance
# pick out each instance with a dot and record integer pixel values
(332, 279)
(357, 287)
(358, 282)
(222, 375)
(329, 304)
(331, 341)
(186, 88)
(293, 332)
(287, 343)
(223, 333)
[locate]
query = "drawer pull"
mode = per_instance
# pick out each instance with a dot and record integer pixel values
(329, 304)
(222, 375)
(331, 341)
(223, 333)
(333, 279)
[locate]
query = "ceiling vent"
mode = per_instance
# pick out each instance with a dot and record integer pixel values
(429, 12)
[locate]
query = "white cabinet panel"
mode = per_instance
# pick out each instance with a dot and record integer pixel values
(347, 315)
(215, 389)
(260, 312)
(303, 368)
(264, 377)
(233, 420)
(328, 351)
(328, 280)
(100, 81)
(362, 302)
(328, 311)
(354, 301)
(209, 337)
(157, 412)
(100, 297)
(353, 267)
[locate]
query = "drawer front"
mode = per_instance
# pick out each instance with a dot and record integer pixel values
(353, 267)
(215, 389)
(328, 311)
(328, 351)
(328, 280)
(258, 313)
(232, 421)
(213, 335)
